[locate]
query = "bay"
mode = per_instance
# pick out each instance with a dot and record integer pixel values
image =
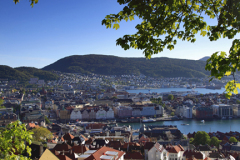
(162, 90)
(196, 125)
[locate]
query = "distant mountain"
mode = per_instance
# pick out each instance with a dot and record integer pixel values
(204, 58)
(112, 65)
(25, 73)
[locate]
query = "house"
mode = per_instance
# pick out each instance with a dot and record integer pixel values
(189, 154)
(110, 114)
(157, 152)
(101, 114)
(85, 115)
(92, 115)
(76, 114)
(147, 147)
(175, 152)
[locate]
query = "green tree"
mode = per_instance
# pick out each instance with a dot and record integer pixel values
(172, 114)
(215, 141)
(1, 103)
(46, 120)
(170, 97)
(165, 21)
(14, 140)
(233, 139)
(201, 137)
(41, 134)
(191, 140)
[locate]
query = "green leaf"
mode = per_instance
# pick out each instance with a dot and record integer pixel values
(116, 26)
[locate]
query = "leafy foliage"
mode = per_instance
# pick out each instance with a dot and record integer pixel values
(14, 140)
(47, 120)
(201, 137)
(170, 97)
(163, 22)
(112, 65)
(215, 141)
(233, 139)
(41, 134)
(32, 2)
(220, 64)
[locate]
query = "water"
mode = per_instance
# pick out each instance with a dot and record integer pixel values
(197, 125)
(194, 125)
(162, 90)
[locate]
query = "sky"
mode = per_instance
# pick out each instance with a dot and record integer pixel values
(54, 29)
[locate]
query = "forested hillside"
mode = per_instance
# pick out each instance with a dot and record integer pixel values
(112, 65)
(25, 73)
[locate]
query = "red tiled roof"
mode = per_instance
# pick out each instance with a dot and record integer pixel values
(67, 136)
(96, 155)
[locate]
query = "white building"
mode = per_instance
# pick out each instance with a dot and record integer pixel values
(101, 114)
(222, 110)
(157, 152)
(159, 110)
(76, 114)
(110, 114)
(236, 110)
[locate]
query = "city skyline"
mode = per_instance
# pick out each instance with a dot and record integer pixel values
(51, 30)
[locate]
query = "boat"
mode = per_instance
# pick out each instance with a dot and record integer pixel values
(230, 117)
(224, 118)
(148, 120)
(202, 121)
(184, 124)
(124, 121)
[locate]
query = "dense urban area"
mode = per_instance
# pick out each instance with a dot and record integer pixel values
(88, 117)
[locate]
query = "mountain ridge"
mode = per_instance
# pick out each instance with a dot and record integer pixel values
(113, 65)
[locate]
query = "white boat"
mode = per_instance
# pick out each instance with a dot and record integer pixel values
(148, 120)
(202, 121)
(184, 124)
(224, 118)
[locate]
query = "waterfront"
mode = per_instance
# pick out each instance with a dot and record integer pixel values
(162, 90)
(195, 125)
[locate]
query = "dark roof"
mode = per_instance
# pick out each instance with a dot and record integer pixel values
(133, 155)
(62, 147)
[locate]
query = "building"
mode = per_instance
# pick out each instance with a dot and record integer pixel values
(204, 113)
(236, 110)
(123, 111)
(110, 114)
(76, 114)
(102, 153)
(157, 152)
(148, 111)
(222, 110)
(101, 114)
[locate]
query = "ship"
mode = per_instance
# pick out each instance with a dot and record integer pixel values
(148, 120)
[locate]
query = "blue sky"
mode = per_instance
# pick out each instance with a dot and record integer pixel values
(54, 29)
